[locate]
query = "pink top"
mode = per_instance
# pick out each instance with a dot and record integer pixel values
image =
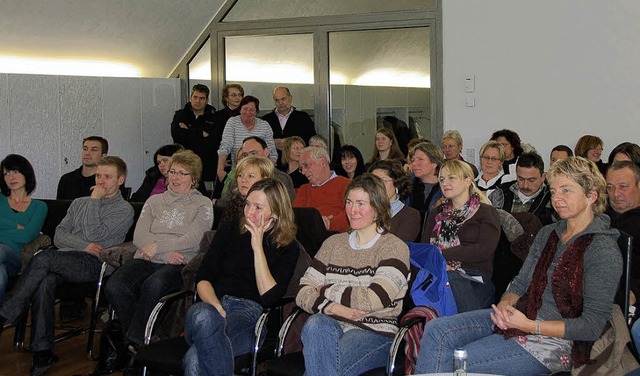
(160, 187)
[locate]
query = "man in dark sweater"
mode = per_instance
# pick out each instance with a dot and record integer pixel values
(193, 127)
(286, 121)
(78, 183)
(91, 224)
(623, 188)
(529, 193)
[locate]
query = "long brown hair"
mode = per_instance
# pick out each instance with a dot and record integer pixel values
(394, 153)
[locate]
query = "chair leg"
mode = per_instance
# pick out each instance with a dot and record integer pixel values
(94, 312)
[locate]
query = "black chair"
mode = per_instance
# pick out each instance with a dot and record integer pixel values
(625, 243)
(165, 357)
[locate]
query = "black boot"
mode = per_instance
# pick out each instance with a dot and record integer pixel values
(42, 361)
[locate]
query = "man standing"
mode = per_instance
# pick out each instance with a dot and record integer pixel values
(78, 183)
(529, 193)
(91, 224)
(193, 127)
(286, 121)
(325, 190)
(623, 189)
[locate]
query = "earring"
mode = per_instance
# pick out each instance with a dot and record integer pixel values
(397, 192)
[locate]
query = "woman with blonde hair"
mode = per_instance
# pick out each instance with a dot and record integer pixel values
(248, 267)
(491, 175)
(560, 301)
(466, 228)
(291, 151)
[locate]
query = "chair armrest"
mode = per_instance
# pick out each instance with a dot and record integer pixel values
(284, 330)
(153, 317)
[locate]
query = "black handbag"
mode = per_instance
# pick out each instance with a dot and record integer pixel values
(113, 352)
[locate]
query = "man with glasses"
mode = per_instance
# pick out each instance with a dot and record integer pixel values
(194, 128)
(325, 190)
(255, 146)
(286, 121)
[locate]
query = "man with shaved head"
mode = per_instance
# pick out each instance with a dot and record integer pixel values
(286, 121)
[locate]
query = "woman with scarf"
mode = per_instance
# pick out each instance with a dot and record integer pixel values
(466, 228)
(405, 220)
(560, 301)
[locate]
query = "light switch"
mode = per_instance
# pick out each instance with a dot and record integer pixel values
(470, 100)
(469, 84)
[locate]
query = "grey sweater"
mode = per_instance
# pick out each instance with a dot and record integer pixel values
(105, 222)
(602, 270)
(175, 222)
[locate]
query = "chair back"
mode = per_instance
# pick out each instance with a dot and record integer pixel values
(430, 285)
(625, 243)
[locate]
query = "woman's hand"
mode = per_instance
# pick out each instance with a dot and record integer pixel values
(221, 310)
(149, 251)
(508, 317)
(257, 231)
(348, 313)
(175, 258)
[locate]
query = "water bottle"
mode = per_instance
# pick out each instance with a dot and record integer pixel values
(460, 362)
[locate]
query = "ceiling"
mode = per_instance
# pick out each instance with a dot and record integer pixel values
(149, 35)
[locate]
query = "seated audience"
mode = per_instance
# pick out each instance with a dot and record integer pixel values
(626, 151)
(452, 148)
(249, 170)
(318, 141)
(240, 127)
(351, 163)
(510, 141)
(291, 150)
(92, 223)
(560, 152)
(386, 147)
(492, 175)
(405, 220)
(413, 142)
(255, 146)
(623, 190)
(248, 267)
(167, 236)
(590, 147)
(354, 288)
(21, 217)
(466, 228)
(426, 158)
(529, 193)
(325, 190)
(155, 179)
(543, 323)
(78, 183)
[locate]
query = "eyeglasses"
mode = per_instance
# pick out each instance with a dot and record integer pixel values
(11, 172)
(179, 173)
(235, 95)
(490, 159)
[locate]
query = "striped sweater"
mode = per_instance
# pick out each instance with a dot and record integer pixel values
(373, 280)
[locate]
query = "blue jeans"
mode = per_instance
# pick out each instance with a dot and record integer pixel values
(37, 286)
(9, 266)
(330, 351)
(214, 340)
(635, 334)
(486, 352)
(135, 288)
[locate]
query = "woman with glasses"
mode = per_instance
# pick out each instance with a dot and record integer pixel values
(511, 143)
(291, 151)
(21, 218)
(167, 237)
(492, 155)
(157, 177)
(590, 147)
(452, 148)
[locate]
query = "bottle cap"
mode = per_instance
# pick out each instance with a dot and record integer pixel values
(460, 353)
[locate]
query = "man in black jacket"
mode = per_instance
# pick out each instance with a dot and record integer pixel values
(529, 193)
(193, 127)
(286, 121)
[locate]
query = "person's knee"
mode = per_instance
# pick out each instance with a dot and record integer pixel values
(205, 318)
(43, 258)
(156, 286)
(316, 325)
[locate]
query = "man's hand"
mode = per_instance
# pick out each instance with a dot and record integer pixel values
(183, 126)
(94, 248)
(221, 175)
(205, 134)
(175, 258)
(279, 143)
(327, 220)
(97, 192)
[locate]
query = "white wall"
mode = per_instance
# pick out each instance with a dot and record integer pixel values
(549, 70)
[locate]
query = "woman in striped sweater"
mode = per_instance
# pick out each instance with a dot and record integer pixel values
(354, 288)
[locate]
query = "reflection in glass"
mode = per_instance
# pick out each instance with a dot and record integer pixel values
(200, 67)
(260, 63)
(380, 78)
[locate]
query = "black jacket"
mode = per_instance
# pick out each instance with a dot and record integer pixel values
(193, 139)
(541, 205)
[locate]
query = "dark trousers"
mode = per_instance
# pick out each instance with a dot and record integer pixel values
(37, 286)
(135, 288)
(469, 293)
